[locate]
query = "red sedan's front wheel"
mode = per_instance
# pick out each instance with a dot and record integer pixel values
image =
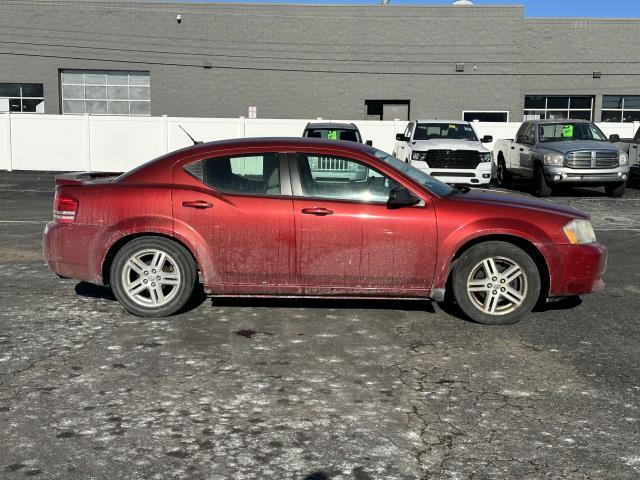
(153, 276)
(496, 283)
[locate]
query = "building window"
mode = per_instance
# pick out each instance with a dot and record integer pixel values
(485, 116)
(558, 107)
(621, 109)
(21, 97)
(386, 109)
(101, 92)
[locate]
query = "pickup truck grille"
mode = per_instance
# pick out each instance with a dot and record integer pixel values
(453, 159)
(584, 159)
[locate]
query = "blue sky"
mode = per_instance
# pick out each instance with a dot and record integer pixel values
(533, 8)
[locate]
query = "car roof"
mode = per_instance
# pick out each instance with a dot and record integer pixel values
(561, 120)
(278, 141)
(329, 125)
(437, 120)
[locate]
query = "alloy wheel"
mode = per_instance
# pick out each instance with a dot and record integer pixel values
(151, 277)
(497, 286)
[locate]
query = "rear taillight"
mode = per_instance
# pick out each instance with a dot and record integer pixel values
(65, 208)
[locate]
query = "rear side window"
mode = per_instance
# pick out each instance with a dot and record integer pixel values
(257, 174)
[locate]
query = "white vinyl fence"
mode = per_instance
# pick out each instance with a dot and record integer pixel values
(117, 144)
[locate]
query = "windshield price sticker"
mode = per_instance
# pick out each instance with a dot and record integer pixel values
(567, 131)
(332, 135)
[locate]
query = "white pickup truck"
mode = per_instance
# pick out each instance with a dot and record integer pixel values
(447, 149)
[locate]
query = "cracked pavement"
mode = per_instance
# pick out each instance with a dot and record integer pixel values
(312, 390)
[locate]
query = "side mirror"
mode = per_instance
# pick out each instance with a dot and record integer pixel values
(369, 142)
(487, 139)
(401, 197)
(614, 138)
(401, 137)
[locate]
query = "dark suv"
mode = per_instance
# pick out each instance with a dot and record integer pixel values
(334, 131)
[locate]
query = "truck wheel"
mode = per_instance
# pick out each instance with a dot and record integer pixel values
(496, 283)
(615, 189)
(153, 276)
(542, 187)
(503, 176)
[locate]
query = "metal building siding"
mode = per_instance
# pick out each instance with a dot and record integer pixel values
(375, 39)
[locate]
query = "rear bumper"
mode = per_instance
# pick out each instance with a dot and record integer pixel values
(481, 175)
(68, 248)
(576, 269)
(586, 175)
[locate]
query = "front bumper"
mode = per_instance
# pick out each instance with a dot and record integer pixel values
(560, 174)
(576, 269)
(481, 175)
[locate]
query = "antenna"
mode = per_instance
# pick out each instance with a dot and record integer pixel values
(195, 142)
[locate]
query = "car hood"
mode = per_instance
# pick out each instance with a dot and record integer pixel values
(445, 144)
(569, 146)
(515, 200)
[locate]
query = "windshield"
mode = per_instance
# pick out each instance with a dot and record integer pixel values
(448, 131)
(418, 176)
(562, 132)
(350, 135)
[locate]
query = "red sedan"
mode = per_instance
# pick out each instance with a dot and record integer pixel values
(314, 218)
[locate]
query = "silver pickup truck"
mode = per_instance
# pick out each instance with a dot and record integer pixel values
(554, 152)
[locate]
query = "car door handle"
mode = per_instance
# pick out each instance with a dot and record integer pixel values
(321, 212)
(197, 204)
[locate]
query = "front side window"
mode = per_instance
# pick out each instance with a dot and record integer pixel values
(22, 97)
(331, 177)
(255, 174)
(562, 132)
(448, 131)
(407, 131)
(527, 134)
(105, 92)
(616, 108)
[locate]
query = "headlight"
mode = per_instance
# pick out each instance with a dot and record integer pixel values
(553, 159)
(623, 159)
(485, 157)
(418, 156)
(579, 232)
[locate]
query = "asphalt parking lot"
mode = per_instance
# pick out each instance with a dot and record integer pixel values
(313, 390)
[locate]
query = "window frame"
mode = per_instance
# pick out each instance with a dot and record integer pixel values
(106, 99)
(546, 110)
(620, 110)
(22, 97)
(283, 166)
(298, 194)
(485, 111)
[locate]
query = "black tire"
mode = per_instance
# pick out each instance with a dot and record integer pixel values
(177, 267)
(615, 190)
(505, 255)
(542, 188)
(503, 176)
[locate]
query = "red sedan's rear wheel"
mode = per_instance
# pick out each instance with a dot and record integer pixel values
(496, 283)
(153, 276)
